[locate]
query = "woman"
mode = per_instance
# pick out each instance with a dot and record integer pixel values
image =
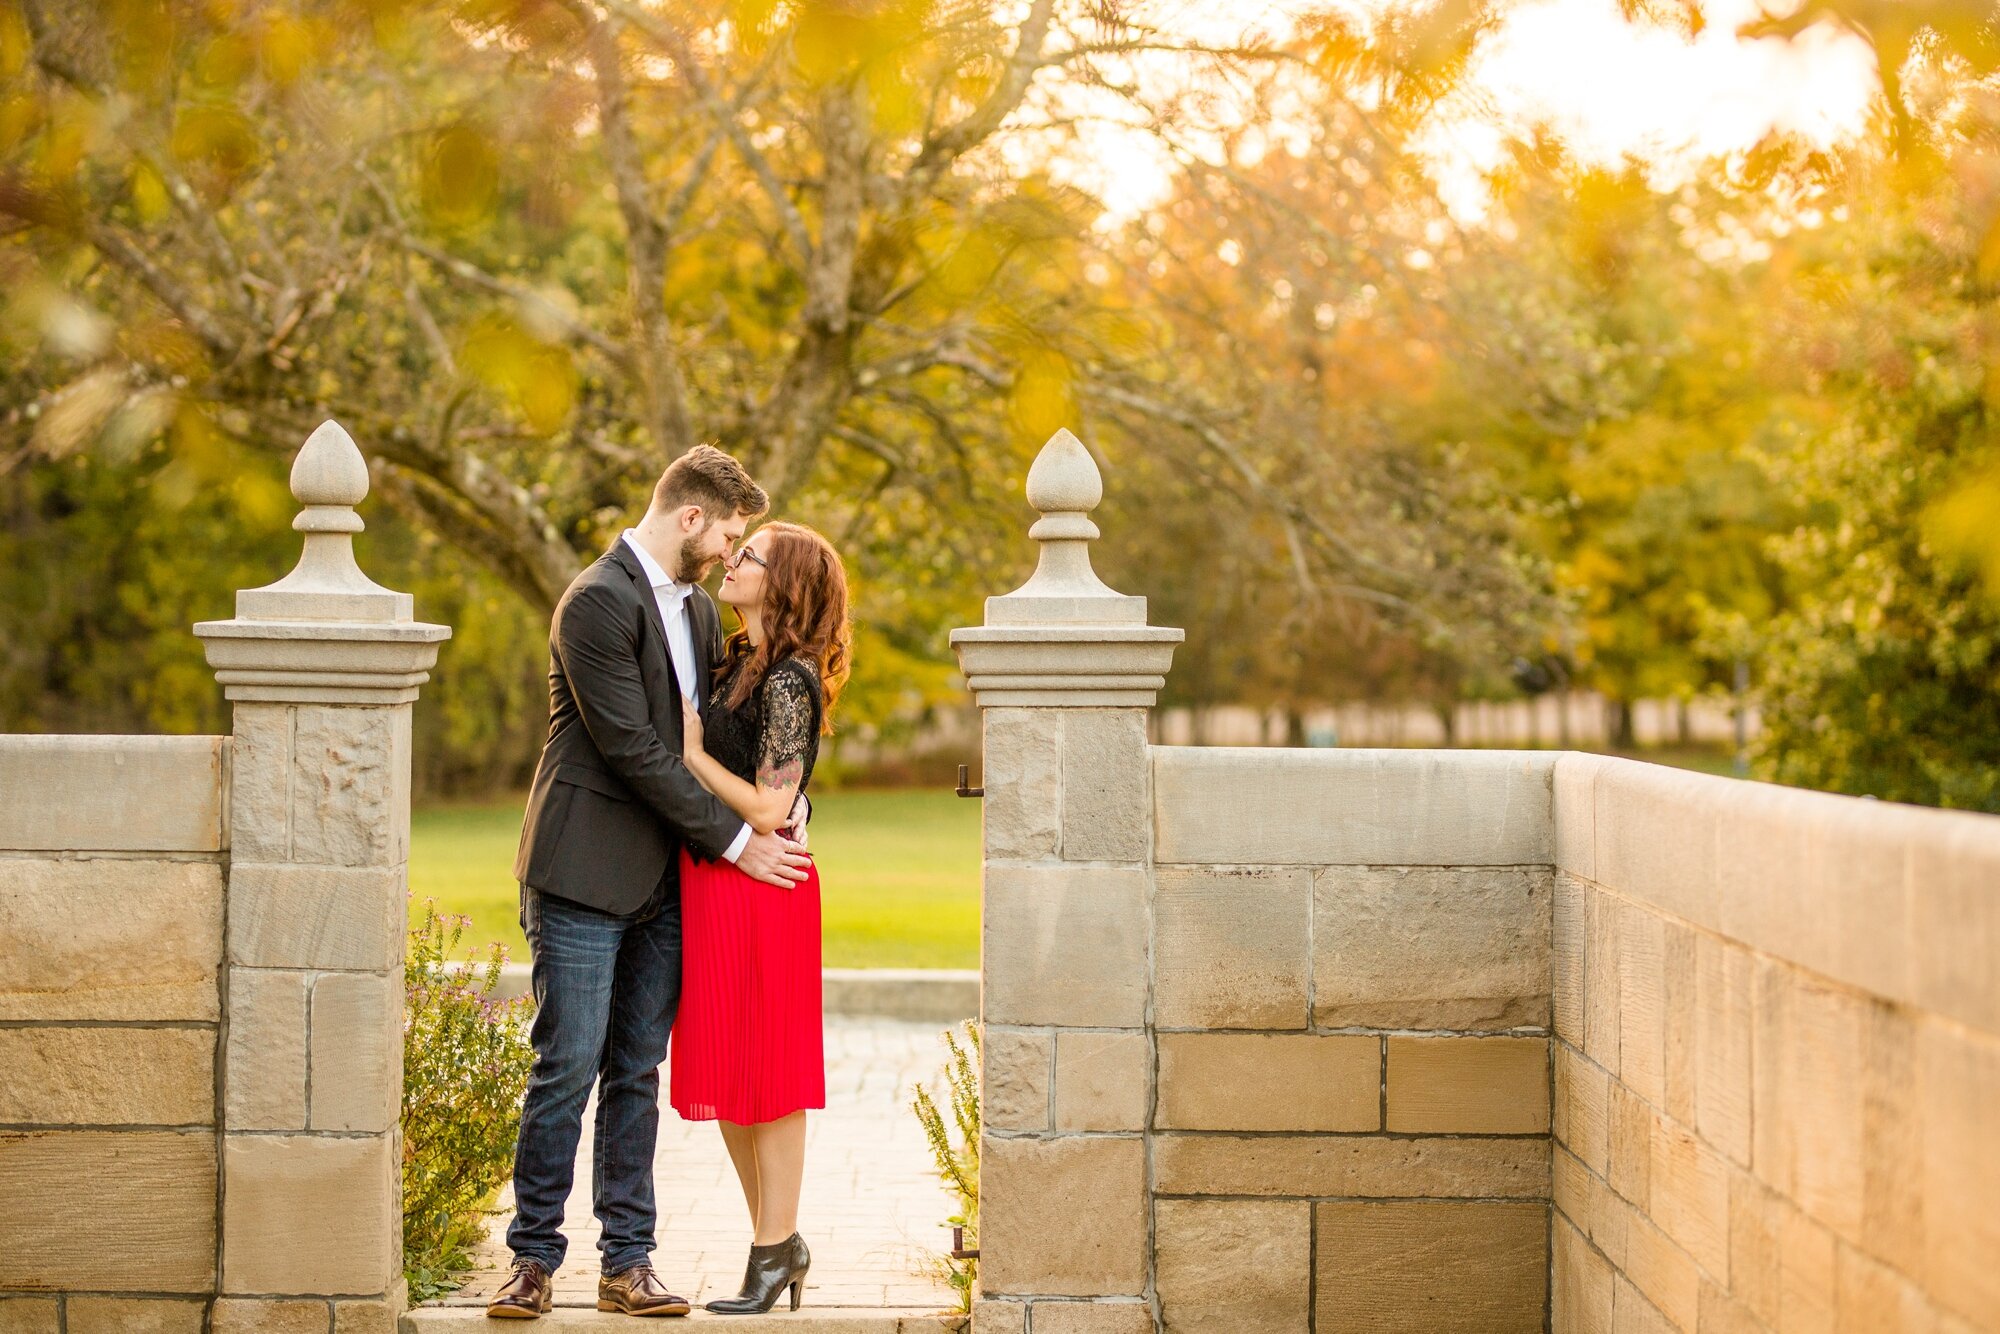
(747, 1044)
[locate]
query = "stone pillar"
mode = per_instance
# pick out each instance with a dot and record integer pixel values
(323, 667)
(1065, 671)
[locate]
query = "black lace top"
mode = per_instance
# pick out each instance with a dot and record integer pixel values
(775, 732)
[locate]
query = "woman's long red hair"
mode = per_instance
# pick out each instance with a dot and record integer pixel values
(805, 616)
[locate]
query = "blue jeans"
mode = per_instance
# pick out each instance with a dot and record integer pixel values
(606, 989)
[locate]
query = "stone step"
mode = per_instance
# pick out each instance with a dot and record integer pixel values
(584, 1320)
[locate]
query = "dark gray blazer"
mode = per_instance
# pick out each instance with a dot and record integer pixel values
(612, 803)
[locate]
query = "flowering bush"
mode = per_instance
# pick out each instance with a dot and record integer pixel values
(465, 1068)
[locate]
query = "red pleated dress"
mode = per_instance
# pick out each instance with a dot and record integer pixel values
(748, 1045)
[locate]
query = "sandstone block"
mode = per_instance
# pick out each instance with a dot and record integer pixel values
(1582, 1111)
(1015, 1069)
(1574, 785)
(1567, 964)
(1680, 1021)
(1104, 1081)
(1862, 889)
(1955, 918)
(1960, 1077)
(1352, 1166)
(1431, 948)
(264, 1081)
(1063, 1217)
(1229, 1265)
(107, 1076)
(1225, 806)
(367, 1317)
(1689, 1197)
(1893, 1225)
(132, 1315)
(307, 1213)
(1642, 1003)
(260, 782)
(1809, 1068)
(1582, 1281)
(29, 1315)
(351, 785)
(1723, 1314)
(1093, 1318)
(1631, 1166)
(291, 916)
(1107, 788)
(1723, 1023)
(357, 1051)
(1655, 836)
(1806, 1297)
(1424, 1268)
(1065, 946)
(62, 1186)
(1022, 763)
(998, 1317)
(1754, 1255)
(1662, 1271)
(109, 939)
(1600, 979)
(248, 1315)
(112, 793)
(1482, 1086)
(1606, 1219)
(1570, 1188)
(1232, 947)
(1632, 1314)
(1869, 1295)
(1228, 1081)
(1765, 878)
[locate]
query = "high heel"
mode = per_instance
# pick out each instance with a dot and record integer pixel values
(771, 1271)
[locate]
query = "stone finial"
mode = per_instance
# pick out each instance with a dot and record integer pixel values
(329, 478)
(1065, 486)
(1064, 639)
(326, 632)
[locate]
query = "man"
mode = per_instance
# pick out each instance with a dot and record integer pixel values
(599, 867)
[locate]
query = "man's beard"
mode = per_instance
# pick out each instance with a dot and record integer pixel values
(691, 564)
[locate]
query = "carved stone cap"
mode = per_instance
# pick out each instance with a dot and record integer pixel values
(326, 632)
(1064, 639)
(1065, 486)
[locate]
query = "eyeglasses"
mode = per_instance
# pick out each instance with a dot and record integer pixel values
(741, 553)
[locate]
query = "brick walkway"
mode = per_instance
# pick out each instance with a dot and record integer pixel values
(872, 1211)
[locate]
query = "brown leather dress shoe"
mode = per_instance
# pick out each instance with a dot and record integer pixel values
(638, 1291)
(526, 1294)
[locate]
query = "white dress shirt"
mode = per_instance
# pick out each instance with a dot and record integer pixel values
(672, 596)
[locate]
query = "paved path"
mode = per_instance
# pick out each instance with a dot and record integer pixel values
(872, 1211)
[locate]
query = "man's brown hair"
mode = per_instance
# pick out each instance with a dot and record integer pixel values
(715, 481)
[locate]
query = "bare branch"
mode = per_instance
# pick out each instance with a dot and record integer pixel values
(724, 112)
(954, 140)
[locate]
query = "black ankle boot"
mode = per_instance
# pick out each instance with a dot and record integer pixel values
(772, 1269)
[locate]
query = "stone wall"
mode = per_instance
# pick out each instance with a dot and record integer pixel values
(1777, 1060)
(1283, 1040)
(111, 946)
(1266, 1034)
(201, 951)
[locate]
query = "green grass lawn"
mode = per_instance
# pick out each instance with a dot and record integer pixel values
(899, 875)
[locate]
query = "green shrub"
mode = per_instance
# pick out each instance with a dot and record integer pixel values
(958, 1165)
(465, 1068)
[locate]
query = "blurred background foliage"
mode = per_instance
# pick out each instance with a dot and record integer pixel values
(1608, 431)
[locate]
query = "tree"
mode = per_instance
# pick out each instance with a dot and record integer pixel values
(529, 251)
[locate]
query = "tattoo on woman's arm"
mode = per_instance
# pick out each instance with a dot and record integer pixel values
(778, 777)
